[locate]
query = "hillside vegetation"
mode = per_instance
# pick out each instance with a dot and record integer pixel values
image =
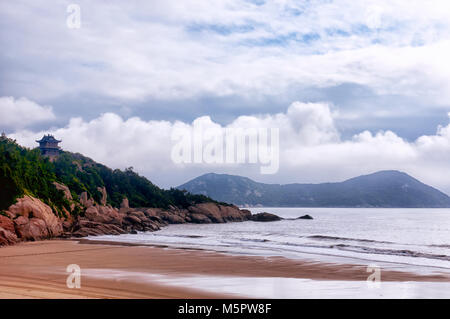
(380, 189)
(24, 171)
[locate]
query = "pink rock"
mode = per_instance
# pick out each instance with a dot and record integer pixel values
(124, 203)
(7, 237)
(7, 223)
(65, 189)
(42, 222)
(104, 195)
(103, 214)
(85, 201)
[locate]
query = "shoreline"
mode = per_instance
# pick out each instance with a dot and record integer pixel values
(121, 270)
(338, 259)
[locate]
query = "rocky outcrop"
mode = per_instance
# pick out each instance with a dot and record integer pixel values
(7, 237)
(85, 228)
(34, 220)
(265, 217)
(103, 214)
(31, 219)
(7, 232)
(85, 201)
(104, 195)
(65, 189)
(67, 195)
(137, 220)
(217, 213)
(101, 219)
(124, 203)
(305, 217)
(132, 220)
(7, 223)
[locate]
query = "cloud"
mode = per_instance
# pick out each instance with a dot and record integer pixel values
(311, 148)
(20, 113)
(175, 50)
(383, 60)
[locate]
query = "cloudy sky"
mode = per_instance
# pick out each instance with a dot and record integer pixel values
(353, 86)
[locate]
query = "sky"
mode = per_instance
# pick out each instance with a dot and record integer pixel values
(353, 86)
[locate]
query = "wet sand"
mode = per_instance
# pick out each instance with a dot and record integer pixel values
(38, 270)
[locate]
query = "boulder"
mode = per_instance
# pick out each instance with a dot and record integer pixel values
(90, 228)
(7, 231)
(42, 222)
(85, 201)
(265, 217)
(305, 217)
(103, 214)
(218, 213)
(199, 219)
(234, 214)
(92, 214)
(31, 229)
(7, 223)
(151, 226)
(246, 213)
(7, 237)
(131, 220)
(67, 226)
(156, 219)
(152, 212)
(112, 214)
(210, 210)
(171, 217)
(138, 214)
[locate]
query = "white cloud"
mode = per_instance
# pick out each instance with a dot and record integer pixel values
(311, 149)
(20, 113)
(133, 51)
(180, 49)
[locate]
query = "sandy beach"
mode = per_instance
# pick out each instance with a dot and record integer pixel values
(38, 270)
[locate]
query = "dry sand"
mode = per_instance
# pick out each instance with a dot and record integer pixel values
(38, 270)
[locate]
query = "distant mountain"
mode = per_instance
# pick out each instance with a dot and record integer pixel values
(380, 189)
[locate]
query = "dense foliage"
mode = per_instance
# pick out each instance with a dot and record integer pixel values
(24, 171)
(80, 174)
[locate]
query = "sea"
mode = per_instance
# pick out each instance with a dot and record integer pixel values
(415, 240)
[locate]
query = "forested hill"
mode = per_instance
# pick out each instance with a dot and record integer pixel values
(24, 171)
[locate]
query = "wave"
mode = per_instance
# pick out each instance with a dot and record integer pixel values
(178, 236)
(356, 248)
(441, 246)
(255, 240)
(394, 252)
(323, 237)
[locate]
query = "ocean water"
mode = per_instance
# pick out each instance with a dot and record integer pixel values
(404, 239)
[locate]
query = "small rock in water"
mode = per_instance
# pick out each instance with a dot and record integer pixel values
(265, 217)
(305, 217)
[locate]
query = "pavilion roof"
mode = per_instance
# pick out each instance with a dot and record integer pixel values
(48, 138)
